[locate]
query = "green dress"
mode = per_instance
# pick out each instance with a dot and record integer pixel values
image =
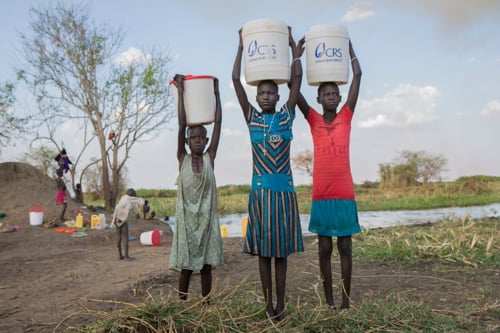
(197, 238)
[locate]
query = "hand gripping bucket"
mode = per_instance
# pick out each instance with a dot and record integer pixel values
(36, 214)
(152, 237)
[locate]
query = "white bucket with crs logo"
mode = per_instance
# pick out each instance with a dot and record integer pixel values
(327, 54)
(266, 51)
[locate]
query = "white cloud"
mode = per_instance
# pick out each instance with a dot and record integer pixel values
(405, 106)
(491, 108)
(132, 56)
(231, 105)
(357, 12)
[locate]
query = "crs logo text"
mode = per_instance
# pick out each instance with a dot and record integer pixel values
(329, 52)
(254, 49)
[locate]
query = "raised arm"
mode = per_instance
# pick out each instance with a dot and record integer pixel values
(352, 97)
(302, 103)
(296, 73)
(214, 142)
(181, 116)
(238, 87)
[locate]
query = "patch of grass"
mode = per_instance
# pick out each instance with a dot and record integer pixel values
(466, 241)
(239, 310)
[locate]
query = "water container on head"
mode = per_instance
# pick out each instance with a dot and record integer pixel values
(327, 54)
(266, 51)
(199, 99)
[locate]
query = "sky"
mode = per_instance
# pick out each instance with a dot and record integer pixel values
(431, 77)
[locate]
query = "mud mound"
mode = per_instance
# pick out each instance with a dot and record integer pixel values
(23, 187)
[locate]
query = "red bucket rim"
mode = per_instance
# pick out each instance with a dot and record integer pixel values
(36, 208)
(193, 77)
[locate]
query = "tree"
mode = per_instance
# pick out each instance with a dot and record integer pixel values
(428, 166)
(41, 157)
(412, 167)
(303, 161)
(115, 104)
(10, 124)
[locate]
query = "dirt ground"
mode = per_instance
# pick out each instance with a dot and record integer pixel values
(47, 276)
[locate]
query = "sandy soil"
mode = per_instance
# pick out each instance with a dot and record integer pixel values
(46, 276)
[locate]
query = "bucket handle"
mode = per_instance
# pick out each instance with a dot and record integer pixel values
(36, 207)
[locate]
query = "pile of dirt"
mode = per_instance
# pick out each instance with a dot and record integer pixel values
(26, 187)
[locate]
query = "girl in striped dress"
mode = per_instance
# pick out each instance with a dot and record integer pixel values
(273, 229)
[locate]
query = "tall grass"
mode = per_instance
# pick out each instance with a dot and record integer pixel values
(465, 241)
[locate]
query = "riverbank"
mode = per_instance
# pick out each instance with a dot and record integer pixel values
(378, 219)
(464, 192)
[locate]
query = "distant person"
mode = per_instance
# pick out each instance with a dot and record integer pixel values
(63, 160)
(273, 229)
(127, 204)
(78, 193)
(61, 194)
(197, 243)
(145, 209)
(334, 210)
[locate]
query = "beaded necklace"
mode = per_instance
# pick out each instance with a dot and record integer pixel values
(269, 128)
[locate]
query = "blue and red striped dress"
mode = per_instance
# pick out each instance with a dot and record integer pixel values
(273, 228)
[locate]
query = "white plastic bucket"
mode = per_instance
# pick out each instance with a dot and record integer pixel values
(152, 237)
(327, 54)
(266, 51)
(102, 219)
(69, 187)
(36, 214)
(199, 99)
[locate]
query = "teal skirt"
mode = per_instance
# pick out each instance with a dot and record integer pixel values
(334, 218)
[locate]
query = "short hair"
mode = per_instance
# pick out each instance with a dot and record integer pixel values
(271, 82)
(131, 192)
(189, 129)
(324, 84)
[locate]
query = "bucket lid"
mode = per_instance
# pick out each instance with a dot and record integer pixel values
(264, 24)
(322, 30)
(194, 77)
(156, 237)
(36, 208)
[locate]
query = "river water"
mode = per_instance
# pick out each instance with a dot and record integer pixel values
(381, 219)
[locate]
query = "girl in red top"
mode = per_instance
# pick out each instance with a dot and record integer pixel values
(333, 210)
